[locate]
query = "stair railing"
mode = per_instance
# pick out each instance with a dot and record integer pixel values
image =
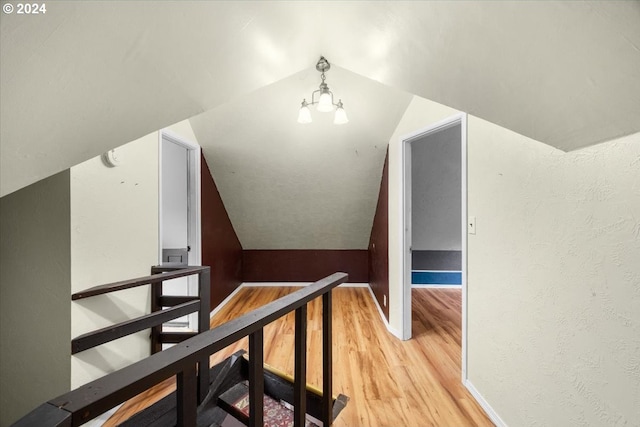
(178, 306)
(184, 360)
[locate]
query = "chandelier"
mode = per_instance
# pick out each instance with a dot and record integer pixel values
(324, 103)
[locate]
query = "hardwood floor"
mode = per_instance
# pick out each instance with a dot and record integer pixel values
(389, 382)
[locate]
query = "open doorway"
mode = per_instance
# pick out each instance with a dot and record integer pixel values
(179, 219)
(435, 214)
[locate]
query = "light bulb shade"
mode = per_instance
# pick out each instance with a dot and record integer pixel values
(324, 103)
(340, 117)
(304, 115)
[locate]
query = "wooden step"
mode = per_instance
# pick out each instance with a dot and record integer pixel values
(235, 401)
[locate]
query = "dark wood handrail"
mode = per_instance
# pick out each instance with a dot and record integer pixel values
(180, 306)
(174, 273)
(96, 397)
(122, 329)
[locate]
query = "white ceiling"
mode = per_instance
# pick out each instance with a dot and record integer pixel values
(291, 186)
(90, 76)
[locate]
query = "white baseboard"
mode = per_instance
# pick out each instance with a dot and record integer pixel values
(354, 285)
(394, 331)
(300, 284)
(226, 301)
(493, 415)
(278, 284)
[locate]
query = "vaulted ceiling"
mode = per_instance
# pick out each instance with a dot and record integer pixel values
(90, 76)
(292, 186)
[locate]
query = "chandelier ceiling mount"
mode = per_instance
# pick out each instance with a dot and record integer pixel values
(325, 102)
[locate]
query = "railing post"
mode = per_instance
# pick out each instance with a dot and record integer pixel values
(156, 292)
(300, 377)
(327, 361)
(256, 379)
(204, 292)
(186, 397)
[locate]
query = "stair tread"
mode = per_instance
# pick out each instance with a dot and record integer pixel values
(236, 402)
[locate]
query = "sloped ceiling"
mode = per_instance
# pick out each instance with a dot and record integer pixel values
(90, 76)
(292, 186)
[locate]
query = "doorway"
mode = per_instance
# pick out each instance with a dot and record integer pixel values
(179, 218)
(435, 253)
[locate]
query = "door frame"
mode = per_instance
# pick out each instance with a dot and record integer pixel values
(194, 222)
(454, 120)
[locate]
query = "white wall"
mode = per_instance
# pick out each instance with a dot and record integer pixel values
(565, 230)
(114, 236)
(435, 191)
(34, 302)
(553, 273)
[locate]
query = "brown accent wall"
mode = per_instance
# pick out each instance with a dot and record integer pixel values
(306, 265)
(379, 243)
(221, 248)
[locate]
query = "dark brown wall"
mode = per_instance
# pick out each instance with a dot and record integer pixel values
(379, 243)
(304, 265)
(221, 248)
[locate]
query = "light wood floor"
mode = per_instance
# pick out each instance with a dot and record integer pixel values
(389, 382)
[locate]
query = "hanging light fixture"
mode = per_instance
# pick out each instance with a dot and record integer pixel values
(325, 102)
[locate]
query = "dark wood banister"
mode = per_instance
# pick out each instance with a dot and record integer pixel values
(92, 399)
(173, 273)
(178, 307)
(122, 329)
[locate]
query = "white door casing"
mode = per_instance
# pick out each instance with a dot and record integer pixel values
(405, 297)
(180, 216)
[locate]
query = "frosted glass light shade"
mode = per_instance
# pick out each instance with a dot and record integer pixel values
(341, 116)
(324, 103)
(304, 115)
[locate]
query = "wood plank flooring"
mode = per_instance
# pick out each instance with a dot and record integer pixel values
(389, 382)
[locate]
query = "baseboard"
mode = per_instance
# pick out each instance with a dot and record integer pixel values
(393, 331)
(493, 415)
(299, 284)
(226, 301)
(354, 285)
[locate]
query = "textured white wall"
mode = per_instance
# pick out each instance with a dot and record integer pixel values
(34, 306)
(114, 236)
(553, 273)
(557, 247)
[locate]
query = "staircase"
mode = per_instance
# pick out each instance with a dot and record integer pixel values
(227, 403)
(239, 389)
